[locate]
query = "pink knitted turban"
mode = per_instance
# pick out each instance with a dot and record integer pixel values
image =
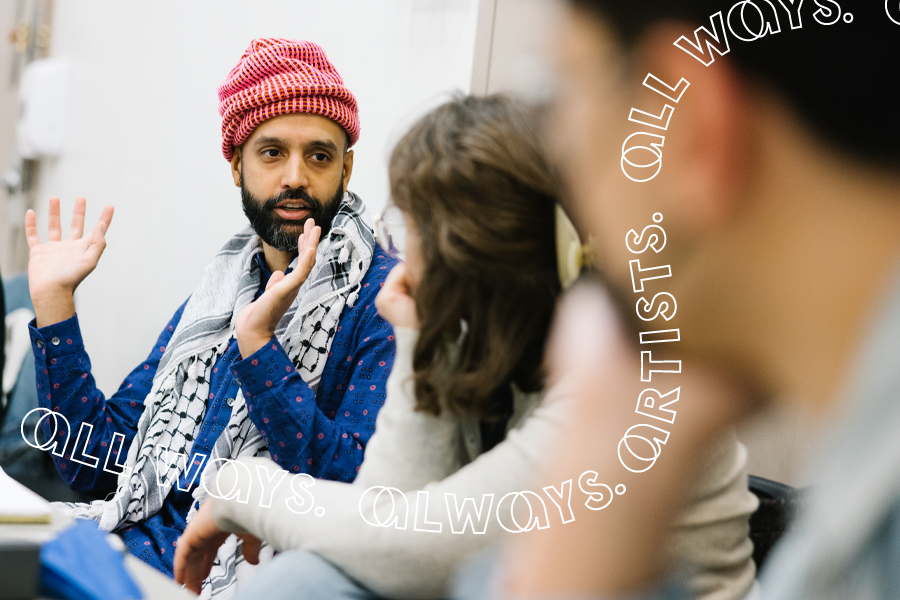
(276, 77)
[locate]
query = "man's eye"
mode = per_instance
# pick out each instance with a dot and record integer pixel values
(320, 157)
(270, 152)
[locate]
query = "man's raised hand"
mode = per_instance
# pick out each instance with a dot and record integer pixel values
(255, 324)
(56, 267)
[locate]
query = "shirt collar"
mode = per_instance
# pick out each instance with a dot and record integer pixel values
(265, 273)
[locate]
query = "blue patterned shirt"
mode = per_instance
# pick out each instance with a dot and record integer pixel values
(322, 433)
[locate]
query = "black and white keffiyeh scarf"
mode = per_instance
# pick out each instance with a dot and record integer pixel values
(176, 404)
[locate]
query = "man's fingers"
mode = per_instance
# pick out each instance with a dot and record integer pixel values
(76, 229)
(274, 279)
(106, 217)
(31, 233)
(285, 289)
(310, 236)
(54, 232)
(97, 243)
(305, 264)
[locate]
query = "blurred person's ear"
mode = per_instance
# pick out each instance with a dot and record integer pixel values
(707, 157)
(236, 166)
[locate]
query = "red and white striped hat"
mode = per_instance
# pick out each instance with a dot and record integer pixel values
(276, 77)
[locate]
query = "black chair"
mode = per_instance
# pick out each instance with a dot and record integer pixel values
(778, 503)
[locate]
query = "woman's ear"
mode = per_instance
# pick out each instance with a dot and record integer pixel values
(236, 167)
(707, 155)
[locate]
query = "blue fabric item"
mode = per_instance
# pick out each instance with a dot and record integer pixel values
(79, 564)
(323, 433)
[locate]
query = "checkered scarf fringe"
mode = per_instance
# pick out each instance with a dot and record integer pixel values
(176, 404)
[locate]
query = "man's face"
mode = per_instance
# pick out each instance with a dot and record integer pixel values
(292, 168)
(589, 122)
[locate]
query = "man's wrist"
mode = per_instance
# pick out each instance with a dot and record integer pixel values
(53, 306)
(251, 343)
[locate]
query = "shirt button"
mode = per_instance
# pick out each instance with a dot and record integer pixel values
(229, 401)
(55, 341)
(40, 343)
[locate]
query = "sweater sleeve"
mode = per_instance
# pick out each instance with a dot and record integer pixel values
(711, 535)
(441, 522)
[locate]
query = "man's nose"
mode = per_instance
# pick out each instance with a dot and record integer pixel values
(295, 175)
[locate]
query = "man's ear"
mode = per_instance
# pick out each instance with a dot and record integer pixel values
(236, 166)
(707, 156)
(348, 167)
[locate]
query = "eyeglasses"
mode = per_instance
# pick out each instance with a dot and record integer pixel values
(390, 231)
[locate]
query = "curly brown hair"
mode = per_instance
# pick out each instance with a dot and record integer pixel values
(473, 177)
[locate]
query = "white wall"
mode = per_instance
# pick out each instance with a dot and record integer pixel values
(144, 131)
(513, 48)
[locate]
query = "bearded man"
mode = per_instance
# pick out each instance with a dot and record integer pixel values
(226, 379)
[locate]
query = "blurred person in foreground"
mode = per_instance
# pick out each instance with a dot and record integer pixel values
(780, 191)
(227, 378)
(468, 414)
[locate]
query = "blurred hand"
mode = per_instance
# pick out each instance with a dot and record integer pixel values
(255, 324)
(56, 267)
(591, 355)
(197, 547)
(394, 302)
(588, 340)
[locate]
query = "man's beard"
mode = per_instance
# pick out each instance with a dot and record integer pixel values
(282, 233)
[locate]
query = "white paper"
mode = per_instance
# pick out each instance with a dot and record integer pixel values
(18, 504)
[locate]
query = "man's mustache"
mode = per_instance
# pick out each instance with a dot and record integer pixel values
(313, 203)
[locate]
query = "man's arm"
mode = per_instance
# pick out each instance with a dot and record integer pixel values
(65, 385)
(322, 434)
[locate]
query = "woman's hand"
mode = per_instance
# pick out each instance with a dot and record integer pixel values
(197, 547)
(56, 267)
(255, 324)
(394, 302)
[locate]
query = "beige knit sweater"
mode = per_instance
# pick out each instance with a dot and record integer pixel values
(412, 451)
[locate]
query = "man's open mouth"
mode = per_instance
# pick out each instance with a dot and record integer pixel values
(292, 209)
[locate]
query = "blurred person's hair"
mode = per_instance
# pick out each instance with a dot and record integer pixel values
(473, 177)
(841, 80)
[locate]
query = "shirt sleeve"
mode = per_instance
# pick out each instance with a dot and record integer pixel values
(300, 435)
(86, 417)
